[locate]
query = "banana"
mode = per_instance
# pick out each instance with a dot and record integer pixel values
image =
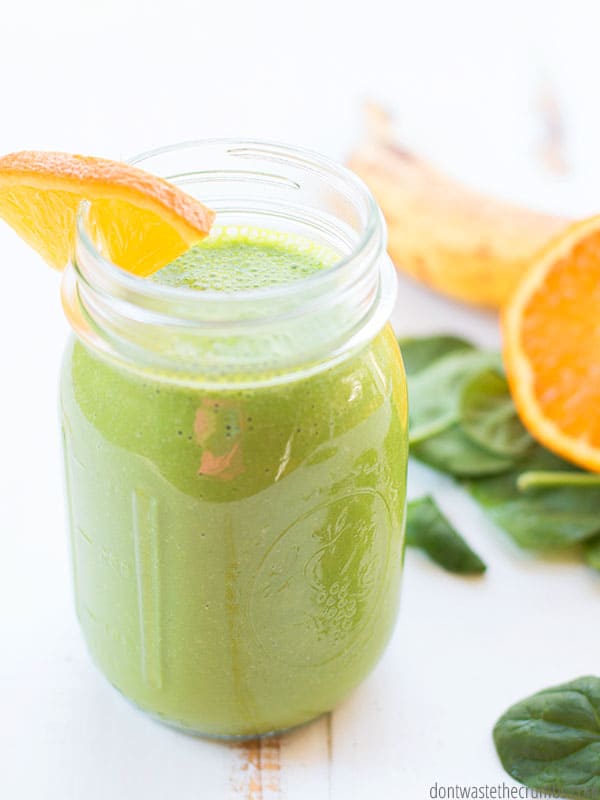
(465, 244)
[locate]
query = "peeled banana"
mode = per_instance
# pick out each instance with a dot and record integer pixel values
(465, 244)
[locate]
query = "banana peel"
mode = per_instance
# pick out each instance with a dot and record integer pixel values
(465, 244)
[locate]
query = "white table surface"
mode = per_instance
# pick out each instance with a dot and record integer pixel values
(467, 80)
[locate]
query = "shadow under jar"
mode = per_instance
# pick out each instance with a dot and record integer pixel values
(236, 461)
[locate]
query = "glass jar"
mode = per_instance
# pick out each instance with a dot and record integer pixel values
(236, 462)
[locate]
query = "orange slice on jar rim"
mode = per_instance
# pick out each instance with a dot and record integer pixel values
(140, 222)
(551, 334)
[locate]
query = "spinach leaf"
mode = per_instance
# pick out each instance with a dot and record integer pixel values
(418, 353)
(463, 423)
(551, 740)
(434, 394)
(544, 518)
(489, 417)
(428, 529)
(592, 552)
(451, 451)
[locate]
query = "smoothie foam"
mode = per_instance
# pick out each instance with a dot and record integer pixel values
(236, 259)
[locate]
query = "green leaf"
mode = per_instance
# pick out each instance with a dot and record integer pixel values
(419, 353)
(434, 394)
(551, 741)
(428, 529)
(488, 415)
(463, 423)
(451, 451)
(592, 552)
(543, 518)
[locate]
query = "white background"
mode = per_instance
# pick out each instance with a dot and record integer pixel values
(469, 82)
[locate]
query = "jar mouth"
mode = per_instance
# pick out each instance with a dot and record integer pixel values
(273, 330)
(275, 152)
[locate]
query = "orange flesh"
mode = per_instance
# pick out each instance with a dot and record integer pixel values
(140, 221)
(560, 337)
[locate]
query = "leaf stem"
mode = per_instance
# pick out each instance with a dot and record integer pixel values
(542, 479)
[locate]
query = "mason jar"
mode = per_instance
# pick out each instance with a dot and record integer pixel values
(236, 461)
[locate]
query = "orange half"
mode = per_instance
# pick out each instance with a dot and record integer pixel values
(551, 332)
(139, 221)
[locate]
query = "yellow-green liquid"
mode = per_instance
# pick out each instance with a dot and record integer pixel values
(237, 259)
(237, 552)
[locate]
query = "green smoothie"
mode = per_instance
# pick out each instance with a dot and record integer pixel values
(237, 552)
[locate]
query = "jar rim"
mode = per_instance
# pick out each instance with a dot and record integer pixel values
(297, 326)
(141, 287)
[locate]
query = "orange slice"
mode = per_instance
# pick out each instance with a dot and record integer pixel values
(139, 221)
(551, 331)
